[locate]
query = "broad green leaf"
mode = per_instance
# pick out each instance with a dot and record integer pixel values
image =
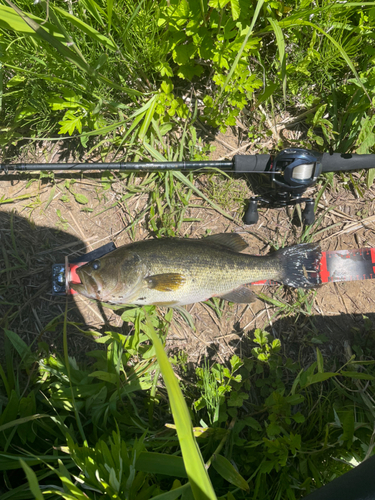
(298, 417)
(33, 481)
(366, 139)
(20, 346)
(235, 362)
(320, 361)
(107, 377)
(228, 472)
(254, 424)
(17, 79)
(236, 9)
(183, 53)
(348, 426)
(266, 467)
(70, 123)
(370, 177)
(237, 398)
(173, 494)
(267, 92)
(50, 197)
(194, 465)
(218, 4)
(160, 463)
(81, 198)
(319, 377)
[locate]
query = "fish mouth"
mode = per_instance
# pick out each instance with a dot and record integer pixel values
(88, 286)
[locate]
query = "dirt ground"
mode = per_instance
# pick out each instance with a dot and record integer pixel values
(39, 229)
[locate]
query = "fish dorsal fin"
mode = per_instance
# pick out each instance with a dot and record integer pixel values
(167, 282)
(241, 295)
(233, 241)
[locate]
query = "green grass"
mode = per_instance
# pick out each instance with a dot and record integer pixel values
(136, 82)
(93, 70)
(264, 425)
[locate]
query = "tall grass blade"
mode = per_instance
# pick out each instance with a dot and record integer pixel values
(344, 55)
(87, 29)
(1, 79)
(52, 40)
(67, 364)
(133, 16)
(33, 481)
(96, 11)
(69, 54)
(181, 177)
(148, 117)
(281, 46)
(109, 13)
(20, 421)
(9, 20)
(194, 465)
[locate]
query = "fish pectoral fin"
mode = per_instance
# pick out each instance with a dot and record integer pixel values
(167, 282)
(241, 295)
(233, 241)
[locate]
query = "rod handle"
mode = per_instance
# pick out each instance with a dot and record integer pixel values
(340, 162)
(244, 164)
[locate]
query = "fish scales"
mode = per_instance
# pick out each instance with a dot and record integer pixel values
(176, 271)
(209, 270)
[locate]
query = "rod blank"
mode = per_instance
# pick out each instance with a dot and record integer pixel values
(130, 166)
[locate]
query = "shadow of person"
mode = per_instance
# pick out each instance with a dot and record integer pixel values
(27, 305)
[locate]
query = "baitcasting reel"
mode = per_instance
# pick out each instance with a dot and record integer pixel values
(292, 171)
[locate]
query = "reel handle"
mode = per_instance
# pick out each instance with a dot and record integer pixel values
(251, 215)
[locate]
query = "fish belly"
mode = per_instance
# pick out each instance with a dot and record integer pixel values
(200, 285)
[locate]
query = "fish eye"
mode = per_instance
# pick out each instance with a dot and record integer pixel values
(95, 265)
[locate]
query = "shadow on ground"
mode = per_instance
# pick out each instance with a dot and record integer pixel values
(27, 306)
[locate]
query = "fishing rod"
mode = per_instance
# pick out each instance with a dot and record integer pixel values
(291, 172)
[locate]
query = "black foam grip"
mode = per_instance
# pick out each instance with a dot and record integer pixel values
(251, 163)
(357, 484)
(339, 162)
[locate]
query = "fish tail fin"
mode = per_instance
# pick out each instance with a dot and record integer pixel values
(299, 264)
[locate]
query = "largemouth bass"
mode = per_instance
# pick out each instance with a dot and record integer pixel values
(177, 271)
